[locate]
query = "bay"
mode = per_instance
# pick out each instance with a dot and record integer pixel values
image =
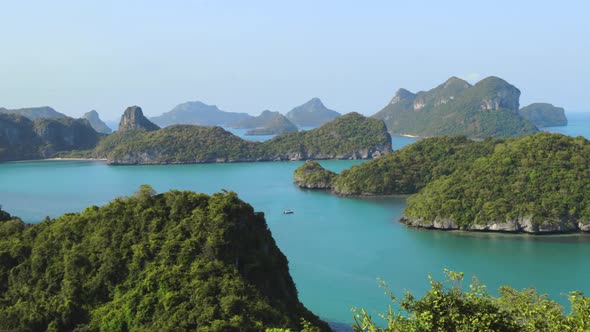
(337, 247)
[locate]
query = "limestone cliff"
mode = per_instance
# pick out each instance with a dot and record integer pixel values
(133, 118)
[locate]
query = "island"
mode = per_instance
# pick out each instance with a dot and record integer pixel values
(312, 114)
(535, 184)
(490, 108)
(198, 113)
(150, 262)
(24, 139)
(544, 115)
(138, 141)
(267, 123)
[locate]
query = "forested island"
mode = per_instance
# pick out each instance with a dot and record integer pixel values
(22, 138)
(352, 136)
(152, 262)
(488, 108)
(535, 184)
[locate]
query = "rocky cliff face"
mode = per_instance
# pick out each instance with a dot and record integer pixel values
(96, 122)
(519, 225)
(133, 118)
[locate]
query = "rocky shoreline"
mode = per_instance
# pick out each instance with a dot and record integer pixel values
(520, 225)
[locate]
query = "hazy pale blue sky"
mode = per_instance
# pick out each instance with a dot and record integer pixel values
(252, 55)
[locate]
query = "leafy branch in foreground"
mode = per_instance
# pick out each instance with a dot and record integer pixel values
(448, 307)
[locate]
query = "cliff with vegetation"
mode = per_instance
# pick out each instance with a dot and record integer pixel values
(544, 115)
(350, 137)
(173, 261)
(486, 109)
(23, 139)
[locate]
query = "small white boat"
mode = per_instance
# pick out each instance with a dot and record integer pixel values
(288, 212)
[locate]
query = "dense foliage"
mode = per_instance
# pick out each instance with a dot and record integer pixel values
(21, 138)
(544, 115)
(542, 178)
(408, 170)
(312, 175)
(351, 136)
(174, 261)
(489, 108)
(448, 307)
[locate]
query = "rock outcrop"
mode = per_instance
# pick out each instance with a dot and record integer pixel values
(133, 118)
(96, 122)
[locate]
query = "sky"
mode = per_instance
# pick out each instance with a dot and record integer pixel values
(248, 56)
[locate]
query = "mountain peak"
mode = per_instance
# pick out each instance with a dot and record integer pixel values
(454, 80)
(311, 114)
(402, 95)
(96, 123)
(133, 118)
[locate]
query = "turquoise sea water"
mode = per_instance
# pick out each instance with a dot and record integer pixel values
(337, 247)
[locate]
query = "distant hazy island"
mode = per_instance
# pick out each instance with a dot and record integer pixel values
(535, 184)
(544, 115)
(311, 114)
(489, 108)
(173, 261)
(267, 123)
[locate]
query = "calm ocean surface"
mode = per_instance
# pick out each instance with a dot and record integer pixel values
(337, 247)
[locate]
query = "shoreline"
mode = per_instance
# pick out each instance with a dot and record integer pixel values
(54, 159)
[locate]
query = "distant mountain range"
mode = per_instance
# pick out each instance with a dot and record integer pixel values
(311, 114)
(490, 108)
